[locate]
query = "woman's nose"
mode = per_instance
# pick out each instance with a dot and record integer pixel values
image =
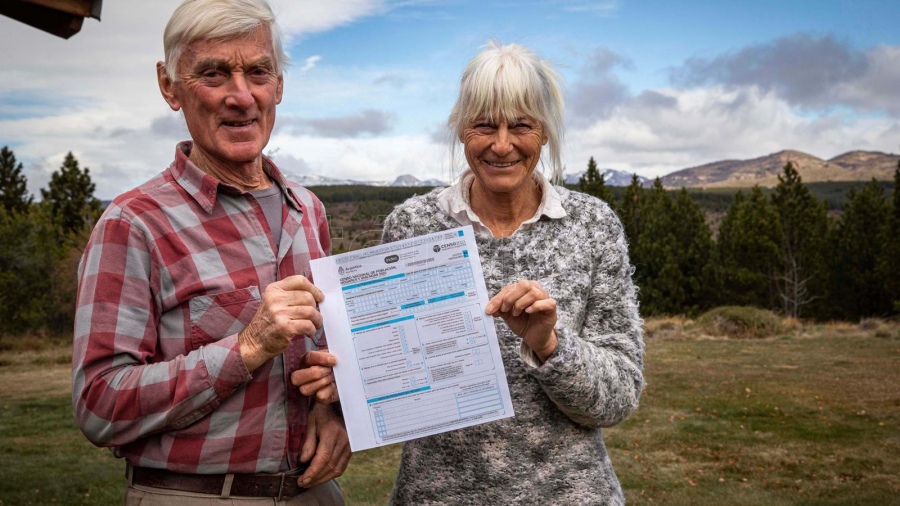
(502, 144)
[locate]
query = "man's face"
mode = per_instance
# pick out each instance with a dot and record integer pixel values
(227, 91)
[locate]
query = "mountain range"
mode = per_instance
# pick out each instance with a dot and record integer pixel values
(763, 171)
(402, 180)
(612, 177)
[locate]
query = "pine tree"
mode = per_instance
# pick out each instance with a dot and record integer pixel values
(889, 261)
(593, 183)
(801, 278)
(748, 251)
(629, 210)
(70, 197)
(27, 248)
(14, 197)
(856, 245)
(673, 249)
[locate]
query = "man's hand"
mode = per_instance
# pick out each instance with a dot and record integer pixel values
(327, 444)
(288, 309)
(530, 313)
(315, 376)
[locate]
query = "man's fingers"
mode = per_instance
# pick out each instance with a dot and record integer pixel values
(327, 394)
(309, 389)
(318, 467)
(329, 463)
(309, 445)
(301, 320)
(299, 282)
(307, 375)
(314, 358)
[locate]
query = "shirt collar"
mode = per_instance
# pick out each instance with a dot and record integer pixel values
(204, 188)
(454, 200)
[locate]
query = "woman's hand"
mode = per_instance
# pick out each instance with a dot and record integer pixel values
(530, 313)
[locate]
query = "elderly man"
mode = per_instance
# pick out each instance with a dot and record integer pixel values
(196, 321)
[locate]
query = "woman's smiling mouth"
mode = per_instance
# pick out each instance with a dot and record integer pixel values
(501, 165)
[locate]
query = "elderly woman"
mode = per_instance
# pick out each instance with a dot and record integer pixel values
(565, 306)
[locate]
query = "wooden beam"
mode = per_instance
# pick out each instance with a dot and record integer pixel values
(52, 21)
(74, 7)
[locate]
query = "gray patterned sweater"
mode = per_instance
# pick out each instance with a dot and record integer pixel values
(552, 451)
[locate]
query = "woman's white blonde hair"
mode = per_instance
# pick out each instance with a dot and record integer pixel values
(218, 20)
(505, 82)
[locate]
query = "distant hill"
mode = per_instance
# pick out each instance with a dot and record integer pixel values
(764, 171)
(409, 180)
(611, 177)
(402, 180)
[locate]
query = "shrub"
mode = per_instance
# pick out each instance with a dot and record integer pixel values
(740, 322)
(664, 327)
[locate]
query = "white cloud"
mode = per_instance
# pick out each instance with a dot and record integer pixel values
(298, 17)
(375, 159)
(692, 127)
(310, 62)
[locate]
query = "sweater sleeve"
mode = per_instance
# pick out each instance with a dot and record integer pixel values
(595, 375)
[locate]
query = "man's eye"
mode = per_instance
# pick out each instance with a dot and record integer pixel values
(484, 128)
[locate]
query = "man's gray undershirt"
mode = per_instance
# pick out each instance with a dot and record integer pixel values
(271, 201)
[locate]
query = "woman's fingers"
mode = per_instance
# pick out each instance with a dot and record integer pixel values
(516, 298)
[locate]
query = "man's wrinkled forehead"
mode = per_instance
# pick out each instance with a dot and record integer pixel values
(212, 53)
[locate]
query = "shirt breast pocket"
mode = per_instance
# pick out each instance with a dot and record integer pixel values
(222, 314)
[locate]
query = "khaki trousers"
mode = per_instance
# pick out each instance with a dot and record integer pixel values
(326, 494)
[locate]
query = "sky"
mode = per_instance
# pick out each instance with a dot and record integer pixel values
(652, 86)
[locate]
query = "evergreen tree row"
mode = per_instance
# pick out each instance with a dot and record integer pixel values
(777, 251)
(40, 246)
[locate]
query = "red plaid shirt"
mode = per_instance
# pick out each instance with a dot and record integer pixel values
(173, 271)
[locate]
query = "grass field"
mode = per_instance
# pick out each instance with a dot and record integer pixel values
(809, 417)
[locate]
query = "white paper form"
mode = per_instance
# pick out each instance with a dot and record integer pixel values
(417, 355)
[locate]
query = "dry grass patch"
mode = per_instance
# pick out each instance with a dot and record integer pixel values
(777, 421)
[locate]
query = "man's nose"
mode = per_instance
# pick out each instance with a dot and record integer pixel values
(239, 95)
(502, 142)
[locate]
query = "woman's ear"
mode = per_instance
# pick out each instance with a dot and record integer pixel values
(167, 87)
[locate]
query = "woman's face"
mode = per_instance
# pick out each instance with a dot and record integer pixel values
(503, 155)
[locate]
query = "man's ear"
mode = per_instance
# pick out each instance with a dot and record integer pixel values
(279, 90)
(167, 87)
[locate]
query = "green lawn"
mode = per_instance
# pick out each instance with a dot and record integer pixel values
(809, 417)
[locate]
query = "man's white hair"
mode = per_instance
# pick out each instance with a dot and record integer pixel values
(505, 82)
(218, 20)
